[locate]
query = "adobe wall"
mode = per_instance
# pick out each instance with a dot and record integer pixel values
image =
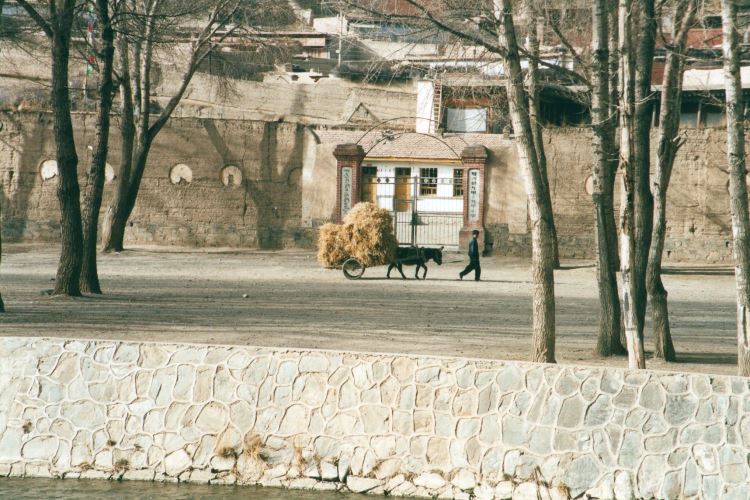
(403, 425)
(698, 218)
(263, 211)
(289, 188)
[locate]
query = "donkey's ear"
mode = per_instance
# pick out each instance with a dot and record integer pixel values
(441, 248)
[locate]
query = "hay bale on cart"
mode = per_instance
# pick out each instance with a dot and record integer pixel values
(366, 235)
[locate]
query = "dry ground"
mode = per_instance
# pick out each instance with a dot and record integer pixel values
(190, 296)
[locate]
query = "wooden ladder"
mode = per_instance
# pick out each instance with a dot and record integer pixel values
(437, 103)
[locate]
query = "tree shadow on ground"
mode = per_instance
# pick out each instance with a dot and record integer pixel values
(705, 357)
(699, 271)
(574, 267)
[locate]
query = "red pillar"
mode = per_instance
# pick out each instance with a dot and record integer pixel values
(474, 159)
(348, 178)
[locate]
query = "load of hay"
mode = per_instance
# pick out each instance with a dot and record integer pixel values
(366, 235)
(332, 245)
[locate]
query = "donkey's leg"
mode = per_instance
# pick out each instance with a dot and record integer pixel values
(400, 268)
(390, 266)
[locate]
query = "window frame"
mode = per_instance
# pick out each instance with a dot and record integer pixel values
(427, 189)
(458, 183)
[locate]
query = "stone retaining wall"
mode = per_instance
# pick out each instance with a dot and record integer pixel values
(406, 425)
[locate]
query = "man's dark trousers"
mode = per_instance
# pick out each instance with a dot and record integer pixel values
(473, 260)
(473, 266)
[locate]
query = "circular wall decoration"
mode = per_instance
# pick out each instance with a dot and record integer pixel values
(48, 170)
(109, 173)
(181, 174)
(231, 176)
(588, 184)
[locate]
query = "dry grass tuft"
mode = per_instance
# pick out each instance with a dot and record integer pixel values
(227, 452)
(366, 235)
(254, 447)
(299, 458)
(122, 465)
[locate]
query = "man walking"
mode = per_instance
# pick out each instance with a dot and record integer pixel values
(473, 258)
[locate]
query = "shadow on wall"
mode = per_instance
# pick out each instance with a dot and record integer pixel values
(273, 196)
(277, 193)
(19, 179)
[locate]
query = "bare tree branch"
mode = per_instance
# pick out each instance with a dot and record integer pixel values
(38, 19)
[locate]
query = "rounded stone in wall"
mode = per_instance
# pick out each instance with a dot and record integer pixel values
(181, 174)
(48, 169)
(109, 173)
(231, 176)
(588, 184)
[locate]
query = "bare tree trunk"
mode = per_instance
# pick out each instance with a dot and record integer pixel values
(2, 305)
(68, 191)
(608, 340)
(737, 180)
(113, 227)
(633, 331)
(644, 202)
(95, 188)
(608, 190)
(532, 76)
(542, 260)
(671, 96)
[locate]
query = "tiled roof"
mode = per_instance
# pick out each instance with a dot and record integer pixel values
(378, 144)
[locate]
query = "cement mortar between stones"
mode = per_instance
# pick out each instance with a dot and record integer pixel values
(370, 423)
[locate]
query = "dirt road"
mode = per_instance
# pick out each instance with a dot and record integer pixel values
(198, 297)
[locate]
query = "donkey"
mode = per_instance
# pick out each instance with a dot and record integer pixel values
(415, 256)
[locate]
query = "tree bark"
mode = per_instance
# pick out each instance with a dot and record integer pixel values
(608, 340)
(611, 174)
(2, 304)
(113, 232)
(542, 260)
(633, 331)
(68, 191)
(737, 180)
(669, 119)
(532, 76)
(95, 188)
(644, 202)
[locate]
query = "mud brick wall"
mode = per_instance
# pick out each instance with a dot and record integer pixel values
(698, 219)
(404, 425)
(288, 188)
(263, 210)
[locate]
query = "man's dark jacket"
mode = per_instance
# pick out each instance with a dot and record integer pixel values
(473, 250)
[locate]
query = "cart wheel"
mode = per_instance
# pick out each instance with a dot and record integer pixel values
(353, 269)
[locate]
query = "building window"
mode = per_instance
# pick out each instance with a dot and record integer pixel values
(370, 184)
(689, 115)
(712, 116)
(427, 181)
(458, 182)
(466, 119)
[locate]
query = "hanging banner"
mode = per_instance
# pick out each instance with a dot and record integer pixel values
(346, 190)
(473, 195)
